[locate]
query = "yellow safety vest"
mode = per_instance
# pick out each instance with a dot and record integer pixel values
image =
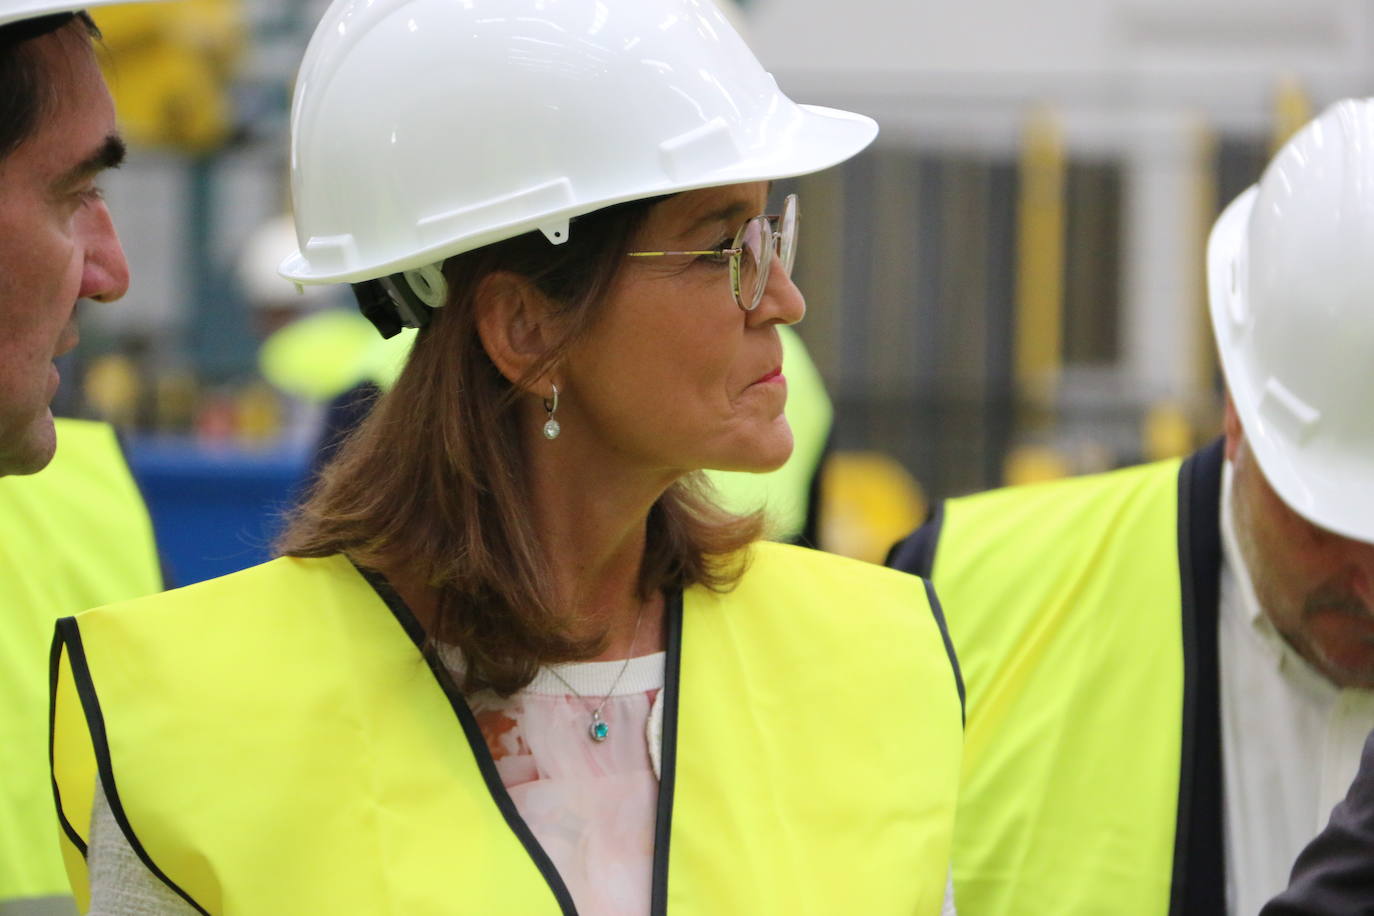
(276, 743)
(1084, 615)
(76, 535)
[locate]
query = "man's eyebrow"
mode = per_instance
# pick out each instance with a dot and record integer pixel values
(109, 155)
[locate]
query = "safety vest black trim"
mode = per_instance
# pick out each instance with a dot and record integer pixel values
(916, 552)
(1199, 867)
(1199, 885)
(667, 778)
(939, 613)
(406, 618)
(54, 658)
(69, 635)
(478, 744)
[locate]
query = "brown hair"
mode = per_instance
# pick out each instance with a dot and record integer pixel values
(27, 94)
(433, 481)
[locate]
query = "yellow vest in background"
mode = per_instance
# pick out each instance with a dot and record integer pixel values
(1069, 605)
(75, 535)
(280, 746)
(318, 357)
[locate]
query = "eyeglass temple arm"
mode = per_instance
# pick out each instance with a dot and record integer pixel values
(654, 254)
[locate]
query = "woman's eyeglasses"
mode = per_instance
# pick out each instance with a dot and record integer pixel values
(751, 253)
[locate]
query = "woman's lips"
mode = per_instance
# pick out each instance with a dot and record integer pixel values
(775, 374)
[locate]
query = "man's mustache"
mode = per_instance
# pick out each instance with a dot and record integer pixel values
(1336, 599)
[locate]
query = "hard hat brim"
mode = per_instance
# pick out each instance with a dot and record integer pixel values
(32, 9)
(823, 137)
(1329, 492)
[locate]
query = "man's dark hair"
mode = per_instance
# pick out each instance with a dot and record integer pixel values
(25, 86)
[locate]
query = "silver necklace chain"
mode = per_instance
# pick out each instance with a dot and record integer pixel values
(597, 728)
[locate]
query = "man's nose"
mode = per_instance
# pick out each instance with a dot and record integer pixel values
(105, 276)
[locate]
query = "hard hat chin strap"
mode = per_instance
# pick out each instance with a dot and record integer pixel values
(402, 300)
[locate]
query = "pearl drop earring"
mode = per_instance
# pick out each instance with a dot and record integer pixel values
(551, 427)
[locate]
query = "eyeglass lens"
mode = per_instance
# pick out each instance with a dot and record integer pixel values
(760, 242)
(753, 260)
(787, 245)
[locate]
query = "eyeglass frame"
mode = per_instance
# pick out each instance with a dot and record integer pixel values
(736, 250)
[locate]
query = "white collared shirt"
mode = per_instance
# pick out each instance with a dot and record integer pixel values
(1291, 739)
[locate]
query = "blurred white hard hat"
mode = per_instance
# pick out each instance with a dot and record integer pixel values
(422, 129)
(262, 252)
(1290, 267)
(15, 10)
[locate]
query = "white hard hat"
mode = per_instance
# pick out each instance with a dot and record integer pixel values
(1290, 268)
(422, 129)
(15, 10)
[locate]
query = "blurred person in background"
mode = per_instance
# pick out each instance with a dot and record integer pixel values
(1169, 666)
(515, 659)
(76, 531)
(315, 345)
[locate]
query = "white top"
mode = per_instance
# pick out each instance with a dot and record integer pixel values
(591, 805)
(1290, 739)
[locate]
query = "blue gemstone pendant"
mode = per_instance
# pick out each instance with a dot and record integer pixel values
(598, 729)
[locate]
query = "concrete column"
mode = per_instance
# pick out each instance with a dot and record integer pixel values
(1162, 259)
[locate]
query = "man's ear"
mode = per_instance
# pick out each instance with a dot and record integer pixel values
(515, 322)
(1235, 434)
